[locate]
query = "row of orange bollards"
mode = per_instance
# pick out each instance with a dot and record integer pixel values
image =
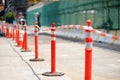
(23, 43)
(16, 35)
(22, 39)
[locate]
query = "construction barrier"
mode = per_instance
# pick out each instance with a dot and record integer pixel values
(77, 32)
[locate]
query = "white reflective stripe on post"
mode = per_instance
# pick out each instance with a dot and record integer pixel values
(88, 45)
(52, 32)
(36, 33)
(53, 38)
(88, 34)
(89, 37)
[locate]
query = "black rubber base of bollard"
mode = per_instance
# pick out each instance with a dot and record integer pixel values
(39, 59)
(53, 74)
(22, 50)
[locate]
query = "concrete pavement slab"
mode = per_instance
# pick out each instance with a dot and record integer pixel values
(11, 66)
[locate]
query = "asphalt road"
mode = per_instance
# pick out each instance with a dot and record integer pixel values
(70, 57)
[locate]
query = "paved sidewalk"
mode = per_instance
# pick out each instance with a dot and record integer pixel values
(15, 65)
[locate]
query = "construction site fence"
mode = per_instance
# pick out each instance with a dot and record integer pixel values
(105, 14)
(78, 32)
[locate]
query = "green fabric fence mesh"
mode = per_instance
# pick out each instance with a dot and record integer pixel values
(103, 13)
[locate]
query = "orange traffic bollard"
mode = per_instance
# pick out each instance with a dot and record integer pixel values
(20, 42)
(36, 46)
(25, 40)
(53, 55)
(13, 34)
(88, 52)
(7, 30)
(18, 33)
(23, 44)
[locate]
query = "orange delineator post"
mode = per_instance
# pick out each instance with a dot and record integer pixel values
(53, 49)
(13, 34)
(25, 40)
(20, 40)
(18, 33)
(53, 54)
(7, 30)
(53, 57)
(23, 44)
(36, 45)
(88, 52)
